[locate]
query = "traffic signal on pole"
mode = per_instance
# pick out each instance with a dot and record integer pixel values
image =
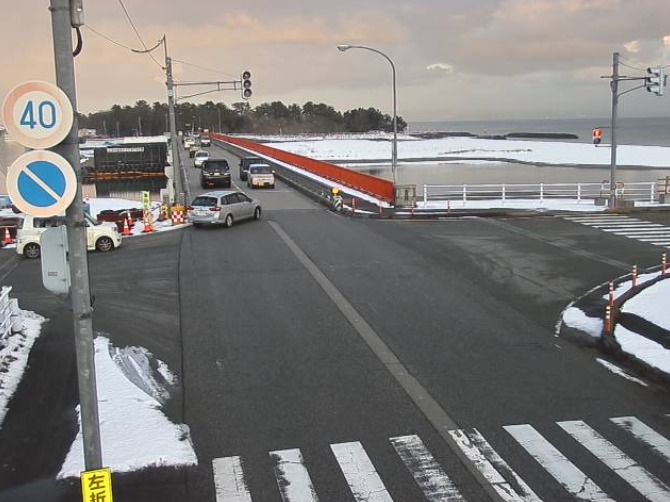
(655, 81)
(246, 85)
(597, 136)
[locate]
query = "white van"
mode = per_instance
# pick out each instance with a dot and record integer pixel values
(100, 236)
(260, 175)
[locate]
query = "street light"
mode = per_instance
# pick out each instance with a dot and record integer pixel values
(394, 152)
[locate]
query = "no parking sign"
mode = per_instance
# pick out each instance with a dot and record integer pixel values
(41, 183)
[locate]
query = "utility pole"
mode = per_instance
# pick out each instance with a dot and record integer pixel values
(614, 84)
(176, 164)
(80, 294)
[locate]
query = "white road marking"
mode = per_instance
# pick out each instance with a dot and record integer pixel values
(645, 434)
(492, 466)
(431, 478)
(566, 473)
(292, 476)
(635, 475)
(229, 482)
(361, 476)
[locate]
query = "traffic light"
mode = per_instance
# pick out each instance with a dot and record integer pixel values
(597, 136)
(655, 81)
(246, 85)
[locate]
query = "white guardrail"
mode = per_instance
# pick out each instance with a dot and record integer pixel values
(9, 310)
(641, 191)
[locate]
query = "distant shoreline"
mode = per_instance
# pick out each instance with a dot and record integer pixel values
(513, 135)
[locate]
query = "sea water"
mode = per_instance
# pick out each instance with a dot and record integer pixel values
(650, 131)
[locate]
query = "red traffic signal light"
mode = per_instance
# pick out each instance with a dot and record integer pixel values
(597, 136)
(246, 84)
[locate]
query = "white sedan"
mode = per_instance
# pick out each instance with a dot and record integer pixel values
(200, 157)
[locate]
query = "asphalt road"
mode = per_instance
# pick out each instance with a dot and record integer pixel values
(308, 330)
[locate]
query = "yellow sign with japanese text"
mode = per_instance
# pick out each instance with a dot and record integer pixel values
(146, 200)
(96, 486)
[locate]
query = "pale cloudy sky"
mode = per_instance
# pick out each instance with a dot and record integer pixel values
(455, 59)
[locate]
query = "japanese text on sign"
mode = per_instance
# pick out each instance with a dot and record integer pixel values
(96, 486)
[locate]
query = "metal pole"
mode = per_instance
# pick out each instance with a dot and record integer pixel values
(76, 235)
(394, 148)
(614, 84)
(176, 164)
(394, 156)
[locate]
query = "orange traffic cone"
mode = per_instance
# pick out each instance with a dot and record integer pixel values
(8, 238)
(126, 228)
(148, 225)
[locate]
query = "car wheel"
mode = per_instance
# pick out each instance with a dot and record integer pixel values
(104, 244)
(257, 213)
(228, 221)
(272, 186)
(32, 250)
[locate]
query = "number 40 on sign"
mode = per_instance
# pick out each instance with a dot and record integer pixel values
(37, 114)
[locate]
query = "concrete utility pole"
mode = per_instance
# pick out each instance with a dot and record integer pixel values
(61, 21)
(176, 164)
(614, 84)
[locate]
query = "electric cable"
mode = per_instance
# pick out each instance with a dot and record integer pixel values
(204, 68)
(138, 34)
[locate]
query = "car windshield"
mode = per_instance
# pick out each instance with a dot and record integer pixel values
(204, 201)
(260, 169)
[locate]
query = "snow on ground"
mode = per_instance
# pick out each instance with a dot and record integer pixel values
(136, 434)
(540, 152)
(650, 304)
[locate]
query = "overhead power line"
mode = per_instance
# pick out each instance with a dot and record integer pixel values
(138, 35)
(204, 68)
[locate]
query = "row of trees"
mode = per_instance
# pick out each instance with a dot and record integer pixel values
(143, 119)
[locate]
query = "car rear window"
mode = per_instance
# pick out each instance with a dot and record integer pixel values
(214, 165)
(247, 161)
(204, 201)
(264, 169)
(202, 154)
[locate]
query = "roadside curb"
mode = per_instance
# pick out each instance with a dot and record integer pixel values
(593, 304)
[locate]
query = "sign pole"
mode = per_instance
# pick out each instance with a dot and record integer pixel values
(61, 23)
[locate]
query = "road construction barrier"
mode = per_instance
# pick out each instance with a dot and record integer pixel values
(177, 216)
(664, 263)
(8, 238)
(634, 276)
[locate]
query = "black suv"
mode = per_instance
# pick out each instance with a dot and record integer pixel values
(245, 162)
(215, 172)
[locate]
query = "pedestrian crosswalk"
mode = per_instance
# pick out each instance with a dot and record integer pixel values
(366, 480)
(626, 226)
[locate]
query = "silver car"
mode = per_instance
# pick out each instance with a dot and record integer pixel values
(223, 207)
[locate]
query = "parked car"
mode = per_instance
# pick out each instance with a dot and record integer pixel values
(205, 141)
(215, 172)
(100, 236)
(222, 208)
(200, 157)
(245, 162)
(260, 176)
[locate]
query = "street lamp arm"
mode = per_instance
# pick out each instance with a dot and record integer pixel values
(394, 155)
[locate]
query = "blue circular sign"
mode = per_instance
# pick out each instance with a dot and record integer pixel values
(41, 183)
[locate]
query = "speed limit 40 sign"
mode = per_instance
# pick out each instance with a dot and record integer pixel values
(37, 114)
